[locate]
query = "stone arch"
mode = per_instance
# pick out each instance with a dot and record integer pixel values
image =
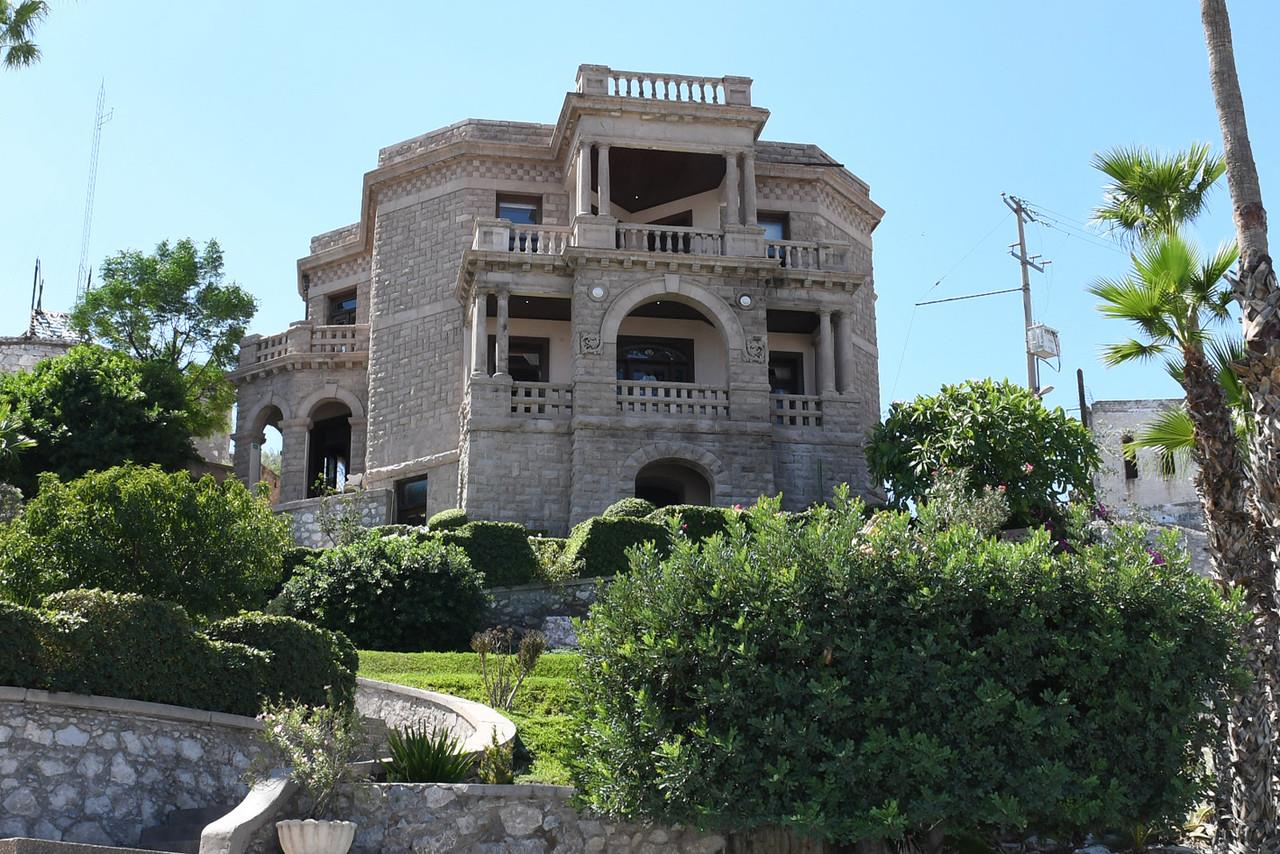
(331, 391)
(261, 416)
(676, 289)
(700, 460)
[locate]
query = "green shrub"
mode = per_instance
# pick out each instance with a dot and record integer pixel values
(499, 551)
(631, 508)
(318, 665)
(21, 654)
(447, 519)
(1001, 433)
(865, 681)
(394, 593)
(211, 548)
(548, 550)
(696, 521)
(421, 755)
(598, 546)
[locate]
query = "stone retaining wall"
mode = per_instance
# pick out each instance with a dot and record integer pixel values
(372, 505)
(528, 606)
(481, 819)
(100, 770)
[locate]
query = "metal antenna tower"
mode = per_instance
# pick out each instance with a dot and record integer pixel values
(100, 118)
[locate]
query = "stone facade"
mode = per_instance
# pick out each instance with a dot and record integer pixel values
(1138, 487)
(98, 770)
(540, 319)
(482, 819)
(20, 353)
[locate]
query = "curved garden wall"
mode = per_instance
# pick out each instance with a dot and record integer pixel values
(100, 770)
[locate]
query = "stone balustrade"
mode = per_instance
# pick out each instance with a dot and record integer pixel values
(680, 240)
(304, 339)
(809, 255)
(797, 410)
(661, 86)
(645, 397)
(502, 235)
(551, 400)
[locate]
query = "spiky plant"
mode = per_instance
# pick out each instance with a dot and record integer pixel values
(17, 28)
(1151, 193)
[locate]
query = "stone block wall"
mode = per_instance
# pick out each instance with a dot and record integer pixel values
(22, 354)
(374, 507)
(527, 606)
(519, 475)
(100, 770)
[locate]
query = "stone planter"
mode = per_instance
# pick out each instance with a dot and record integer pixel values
(315, 837)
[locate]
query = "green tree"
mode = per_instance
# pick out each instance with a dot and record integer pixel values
(1150, 193)
(93, 409)
(1000, 432)
(173, 307)
(17, 29)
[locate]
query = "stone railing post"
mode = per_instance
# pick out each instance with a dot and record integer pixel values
(737, 91)
(492, 234)
(594, 80)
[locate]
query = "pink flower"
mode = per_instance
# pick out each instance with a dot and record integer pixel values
(737, 507)
(684, 527)
(1002, 488)
(1027, 468)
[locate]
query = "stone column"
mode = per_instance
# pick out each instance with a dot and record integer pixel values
(749, 188)
(293, 458)
(602, 181)
(826, 354)
(479, 336)
(247, 457)
(501, 346)
(359, 437)
(844, 347)
(584, 179)
(731, 189)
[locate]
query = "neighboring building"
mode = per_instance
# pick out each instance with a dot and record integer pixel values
(48, 334)
(530, 321)
(1137, 484)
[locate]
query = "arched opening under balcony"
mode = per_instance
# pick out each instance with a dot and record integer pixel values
(667, 482)
(328, 447)
(670, 341)
(267, 451)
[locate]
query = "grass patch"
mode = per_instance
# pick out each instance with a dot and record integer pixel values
(542, 707)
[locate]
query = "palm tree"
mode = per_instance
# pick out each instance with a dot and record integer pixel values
(1152, 194)
(1253, 824)
(17, 26)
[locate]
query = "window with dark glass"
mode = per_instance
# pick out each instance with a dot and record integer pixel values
(411, 501)
(1130, 460)
(667, 360)
(342, 309)
(527, 358)
(522, 211)
(786, 373)
(777, 226)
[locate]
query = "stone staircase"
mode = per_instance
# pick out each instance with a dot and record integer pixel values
(180, 831)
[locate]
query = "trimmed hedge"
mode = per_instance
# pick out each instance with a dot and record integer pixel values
(390, 593)
(632, 508)
(447, 520)
(548, 551)
(499, 551)
(696, 521)
(317, 664)
(598, 546)
(135, 647)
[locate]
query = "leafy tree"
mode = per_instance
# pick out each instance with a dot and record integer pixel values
(92, 409)
(1000, 432)
(1249, 819)
(173, 307)
(17, 28)
(213, 548)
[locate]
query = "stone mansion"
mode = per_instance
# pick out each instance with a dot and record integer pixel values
(531, 321)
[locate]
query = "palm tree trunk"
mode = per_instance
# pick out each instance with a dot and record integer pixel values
(1252, 825)
(1247, 758)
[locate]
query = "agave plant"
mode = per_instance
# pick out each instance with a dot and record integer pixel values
(423, 755)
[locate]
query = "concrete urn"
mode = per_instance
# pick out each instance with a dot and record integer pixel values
(314, 836)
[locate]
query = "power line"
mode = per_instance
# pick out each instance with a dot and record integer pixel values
(969, 296)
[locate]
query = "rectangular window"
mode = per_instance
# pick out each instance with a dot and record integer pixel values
(342, 309)
(411, 501)
(527, 358)
(786, 373)
(777, 226)
(521, 210)
(664, 360)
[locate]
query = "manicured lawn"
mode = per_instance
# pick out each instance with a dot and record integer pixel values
(542, 707)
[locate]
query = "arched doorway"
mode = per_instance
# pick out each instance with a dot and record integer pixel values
(328, 447)
(667, 482)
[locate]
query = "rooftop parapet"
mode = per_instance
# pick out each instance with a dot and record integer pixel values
(651, 86)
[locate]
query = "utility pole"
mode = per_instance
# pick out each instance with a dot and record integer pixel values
(1028, 263)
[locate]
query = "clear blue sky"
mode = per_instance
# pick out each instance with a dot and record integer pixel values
(253, 123)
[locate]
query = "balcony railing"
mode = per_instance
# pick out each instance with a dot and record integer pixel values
(303, 340)
(538, 239)
(676, 239)
(542, 399)
(797, 410)
(643, 397)
(657, 86)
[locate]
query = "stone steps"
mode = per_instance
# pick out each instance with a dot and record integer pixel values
(180, 831)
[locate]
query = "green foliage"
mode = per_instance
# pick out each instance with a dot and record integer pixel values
(18, 20)
(497, 762)
(548, 551)
(422, 755)
(338, 517)
(12, 439)
(950, 503)
(91, 409)
(1001, 433)
(294, 558)
(21, 629)
(541, 717)
(447, 519)
(500, 551)
(598, 546)
(631, 508)
(695, 521)
(1150, 194)
(318, 665)
(210, 547)
(318, 745)
(866, 680)
(396, 593)
(504, 665)
(172, 308)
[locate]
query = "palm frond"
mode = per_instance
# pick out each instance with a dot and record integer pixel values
(1150, 193)
(1171, 435)
(1130, 351)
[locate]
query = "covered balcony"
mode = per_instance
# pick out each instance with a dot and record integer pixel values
(303, 345)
